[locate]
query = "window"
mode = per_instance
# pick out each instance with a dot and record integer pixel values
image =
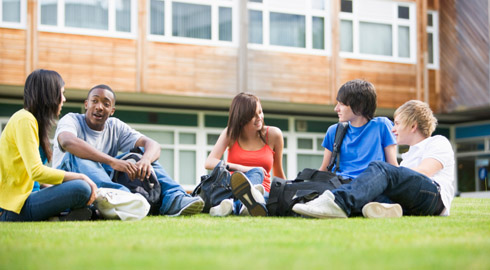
(433, 40)
(296, 26)
(179, 151)
(287, 30)
(378, 30)
(255, 27)
(97, 17)
(346, 6)
(205, 21)
(309, 151)
(12, 13)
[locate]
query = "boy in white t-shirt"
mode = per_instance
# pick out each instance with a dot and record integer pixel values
(422, 185)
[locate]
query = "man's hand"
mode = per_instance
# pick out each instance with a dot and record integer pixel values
(125, 166)
(144, 168)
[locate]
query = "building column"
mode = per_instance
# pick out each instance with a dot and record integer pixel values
(31, 62)
(141, 46)
(242, 47)
(335, 46)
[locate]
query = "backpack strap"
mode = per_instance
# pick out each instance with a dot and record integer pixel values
(339, 137)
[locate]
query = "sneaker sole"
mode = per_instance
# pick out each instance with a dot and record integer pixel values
(192, 208)
(382, 210)
(241, 189)
(307, 214)
(221, 213)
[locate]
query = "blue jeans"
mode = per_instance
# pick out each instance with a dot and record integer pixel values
(101, 175)
(51, 201)
(256, 177)
(415, 192)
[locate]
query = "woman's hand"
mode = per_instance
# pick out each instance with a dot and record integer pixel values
(93, 186)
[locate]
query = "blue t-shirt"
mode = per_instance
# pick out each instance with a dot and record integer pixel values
(361, 145)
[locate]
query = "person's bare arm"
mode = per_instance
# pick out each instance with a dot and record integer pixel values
(390, 154)
(327, 155)
(429, 167)
(217, 152)
(277, 142)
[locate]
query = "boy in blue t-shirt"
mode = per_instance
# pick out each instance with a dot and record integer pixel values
(368, 138)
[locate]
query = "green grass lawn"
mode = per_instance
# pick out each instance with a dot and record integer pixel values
(461, 241)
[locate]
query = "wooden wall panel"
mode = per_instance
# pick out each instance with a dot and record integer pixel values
(191, 70)
(464, 54)
(433, 4)
(84, 61)
(434, 91)
(12, 56)
(395, 83)
(289, 77)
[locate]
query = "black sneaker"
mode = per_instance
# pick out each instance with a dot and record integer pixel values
(242, 189)
(78, 215)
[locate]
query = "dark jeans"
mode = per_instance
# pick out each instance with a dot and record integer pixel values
(101, 175)
(415, 192)
(51, 201)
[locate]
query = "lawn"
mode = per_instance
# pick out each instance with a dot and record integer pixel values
(461, 241)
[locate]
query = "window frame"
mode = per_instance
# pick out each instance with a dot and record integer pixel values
(23, 17)
(395, 22)
(111, 32)
(214, 41)
(434, 30)
(308, 13)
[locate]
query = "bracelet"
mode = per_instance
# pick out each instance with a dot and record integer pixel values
(227, 167)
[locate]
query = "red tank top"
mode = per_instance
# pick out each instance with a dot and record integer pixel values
(263, 157)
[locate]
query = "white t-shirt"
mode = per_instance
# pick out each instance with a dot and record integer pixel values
(116, 136)
(440, 149)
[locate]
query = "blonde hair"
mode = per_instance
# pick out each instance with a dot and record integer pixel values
(417, 112)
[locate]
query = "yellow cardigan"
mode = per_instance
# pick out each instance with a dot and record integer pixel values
(20, 162)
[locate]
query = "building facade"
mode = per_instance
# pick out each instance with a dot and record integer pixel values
(176, 64)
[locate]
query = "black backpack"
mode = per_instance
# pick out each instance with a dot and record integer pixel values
(150, 188)
(309, 183)
(214, 187)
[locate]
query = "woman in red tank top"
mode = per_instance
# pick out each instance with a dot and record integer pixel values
(253, 148)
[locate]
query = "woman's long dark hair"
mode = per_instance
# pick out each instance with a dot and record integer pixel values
(242, 110)
(42, 97)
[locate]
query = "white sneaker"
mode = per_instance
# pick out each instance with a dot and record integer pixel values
(260, 188)
(321, 207)
(382, 210)
(243, 211)
(223, 209)
(327, 194)
(252, 198)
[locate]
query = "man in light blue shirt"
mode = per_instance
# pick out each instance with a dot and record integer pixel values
(89, 143)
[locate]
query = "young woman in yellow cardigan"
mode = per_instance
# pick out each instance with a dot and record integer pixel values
(23, 144)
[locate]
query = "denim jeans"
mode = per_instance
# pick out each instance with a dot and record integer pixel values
(256, 177)
(415, 192)
(101, 174)
(51, 201)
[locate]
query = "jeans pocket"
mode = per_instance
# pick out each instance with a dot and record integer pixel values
(424, 204)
